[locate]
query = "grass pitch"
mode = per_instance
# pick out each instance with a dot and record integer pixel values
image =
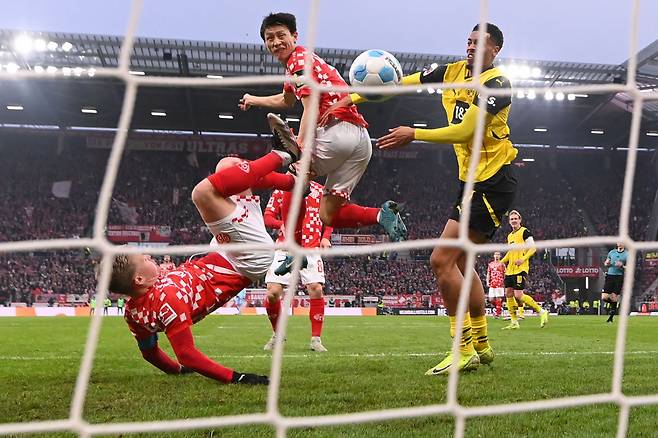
(372, 363)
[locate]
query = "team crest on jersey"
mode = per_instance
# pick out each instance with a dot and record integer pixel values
(244, 166)
(167, 314)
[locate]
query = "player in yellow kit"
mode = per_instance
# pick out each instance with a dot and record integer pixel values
(516, 273)
(495, 180)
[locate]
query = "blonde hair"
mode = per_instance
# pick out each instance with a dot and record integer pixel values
(123, 271)
(516, 212)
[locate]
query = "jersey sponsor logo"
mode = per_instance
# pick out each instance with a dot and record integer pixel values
(491, 101)
(458, 112)
(167, 314)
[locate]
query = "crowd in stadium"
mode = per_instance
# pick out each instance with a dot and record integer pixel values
(557, 201)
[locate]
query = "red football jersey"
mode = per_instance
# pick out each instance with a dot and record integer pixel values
(496, 272)
(184, 296)
(312, 225)
(324, 74)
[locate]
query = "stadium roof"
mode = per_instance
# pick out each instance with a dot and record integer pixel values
(573, 119)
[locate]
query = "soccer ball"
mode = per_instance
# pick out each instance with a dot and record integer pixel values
(375, 67)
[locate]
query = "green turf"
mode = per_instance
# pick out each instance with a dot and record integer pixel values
(373, 363)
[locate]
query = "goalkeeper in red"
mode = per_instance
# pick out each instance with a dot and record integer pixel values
(172, 302)
(495, 181)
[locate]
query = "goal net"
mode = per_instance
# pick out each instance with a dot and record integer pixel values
(272, 415)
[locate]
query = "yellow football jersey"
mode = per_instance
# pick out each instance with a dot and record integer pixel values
(497, 149)
(518, 237)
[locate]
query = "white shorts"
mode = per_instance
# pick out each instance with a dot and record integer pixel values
(342, 153)
(313, 273)
(496, 292)
(244, 225)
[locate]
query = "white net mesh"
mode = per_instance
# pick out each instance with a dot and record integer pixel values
(273, 416)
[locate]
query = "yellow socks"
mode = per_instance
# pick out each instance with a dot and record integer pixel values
(479, 329)
(527, 299)
(511, 307)
(466, 345)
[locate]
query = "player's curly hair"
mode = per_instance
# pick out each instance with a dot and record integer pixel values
(495, 33)
(123, 271)
(281, 19)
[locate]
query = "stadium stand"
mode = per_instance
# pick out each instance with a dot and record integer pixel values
(153, 189)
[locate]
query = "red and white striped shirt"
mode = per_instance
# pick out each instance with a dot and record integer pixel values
(313, 230)
(496, 274)
(326, 75)
(184, 296)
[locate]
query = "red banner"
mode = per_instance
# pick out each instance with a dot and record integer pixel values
(578, 271)
(139, 233)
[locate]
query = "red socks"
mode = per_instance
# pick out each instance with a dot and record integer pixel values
(276, 181)
(316, 315)
(235, 179)
(498, 303)
(354, 216)
(273, 312)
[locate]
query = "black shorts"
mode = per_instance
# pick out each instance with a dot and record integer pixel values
(516, 281)
(491, 201)
(613, 284)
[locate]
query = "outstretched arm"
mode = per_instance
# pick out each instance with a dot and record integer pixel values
(455, 133)
(152, 353)
(190, 357)
(461, 129)
(277, 101)
(355, 99)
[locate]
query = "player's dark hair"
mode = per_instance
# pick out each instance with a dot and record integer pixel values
(123, 271)
(495, 33)
(280, 19)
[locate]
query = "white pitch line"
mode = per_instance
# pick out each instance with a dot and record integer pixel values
(357, 355)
